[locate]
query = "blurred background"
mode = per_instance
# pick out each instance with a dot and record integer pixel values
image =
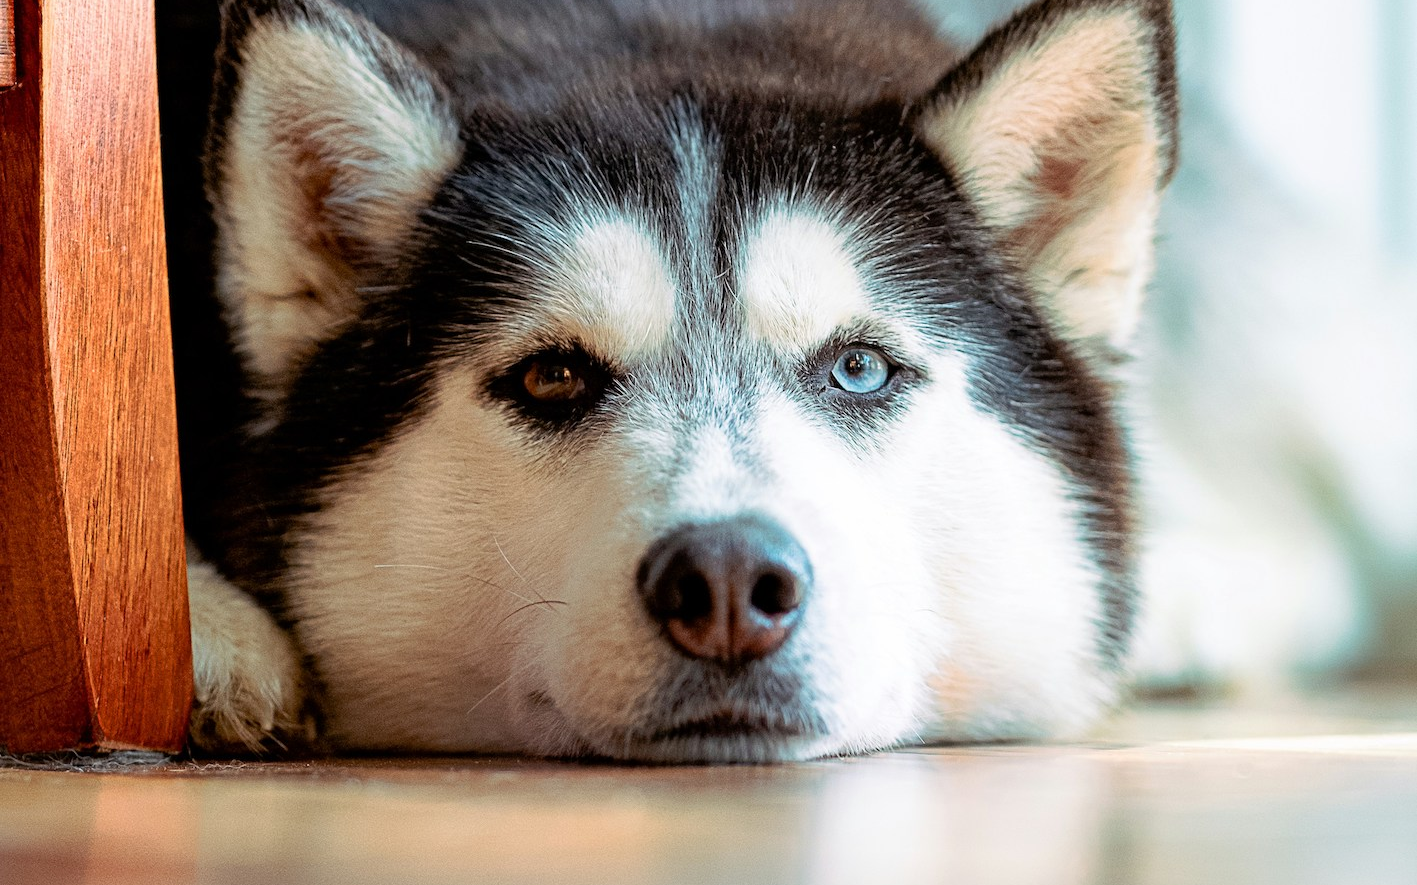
(1279, 369)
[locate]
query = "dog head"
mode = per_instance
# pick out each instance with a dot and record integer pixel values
(672, 411)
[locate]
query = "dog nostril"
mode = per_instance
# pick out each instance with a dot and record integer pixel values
(774, 595)
(694, 597)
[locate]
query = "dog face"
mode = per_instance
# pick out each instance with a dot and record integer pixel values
(686, 418)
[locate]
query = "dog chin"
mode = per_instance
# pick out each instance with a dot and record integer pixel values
(685, 746)
(717, 737)
(742, 748)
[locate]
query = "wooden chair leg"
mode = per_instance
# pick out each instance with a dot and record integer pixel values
(94, 644)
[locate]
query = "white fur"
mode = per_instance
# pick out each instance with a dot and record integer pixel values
(401, 580)
(246, 674)
(799, 282)
(999, 531)
(606, 286)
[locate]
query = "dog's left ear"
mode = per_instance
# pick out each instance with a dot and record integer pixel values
(1060, 128)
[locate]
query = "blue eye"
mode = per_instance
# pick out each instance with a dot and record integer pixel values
(861, 370)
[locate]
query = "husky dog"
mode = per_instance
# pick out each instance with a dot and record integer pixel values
(710, 380)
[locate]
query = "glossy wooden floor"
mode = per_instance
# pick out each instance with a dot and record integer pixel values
(1322, 790)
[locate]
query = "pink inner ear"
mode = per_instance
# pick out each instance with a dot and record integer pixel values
(1059, 184)
(1060, 178)
(1075, 181)
(315, 182)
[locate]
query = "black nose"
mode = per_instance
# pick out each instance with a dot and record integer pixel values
(729, 591)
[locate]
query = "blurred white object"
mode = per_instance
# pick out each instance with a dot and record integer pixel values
(1279, 427)
(1281, 408)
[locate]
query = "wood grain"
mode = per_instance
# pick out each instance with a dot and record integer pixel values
(94, 642)
(1284, 790)
(7, 44)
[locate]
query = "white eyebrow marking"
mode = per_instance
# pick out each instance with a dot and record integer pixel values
(799, 282)
(611, 288)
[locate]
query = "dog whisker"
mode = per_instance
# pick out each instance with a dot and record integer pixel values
(548, 604)
(519, 575)
(498, 687)
(503, 554)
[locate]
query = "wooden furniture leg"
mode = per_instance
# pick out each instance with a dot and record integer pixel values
(95, 651)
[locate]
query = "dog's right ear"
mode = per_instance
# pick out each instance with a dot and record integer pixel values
(327, 140)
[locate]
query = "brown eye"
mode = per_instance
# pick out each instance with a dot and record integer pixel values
(552, 382)
(557, 386)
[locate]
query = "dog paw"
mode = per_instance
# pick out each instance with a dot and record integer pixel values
(247, 678)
